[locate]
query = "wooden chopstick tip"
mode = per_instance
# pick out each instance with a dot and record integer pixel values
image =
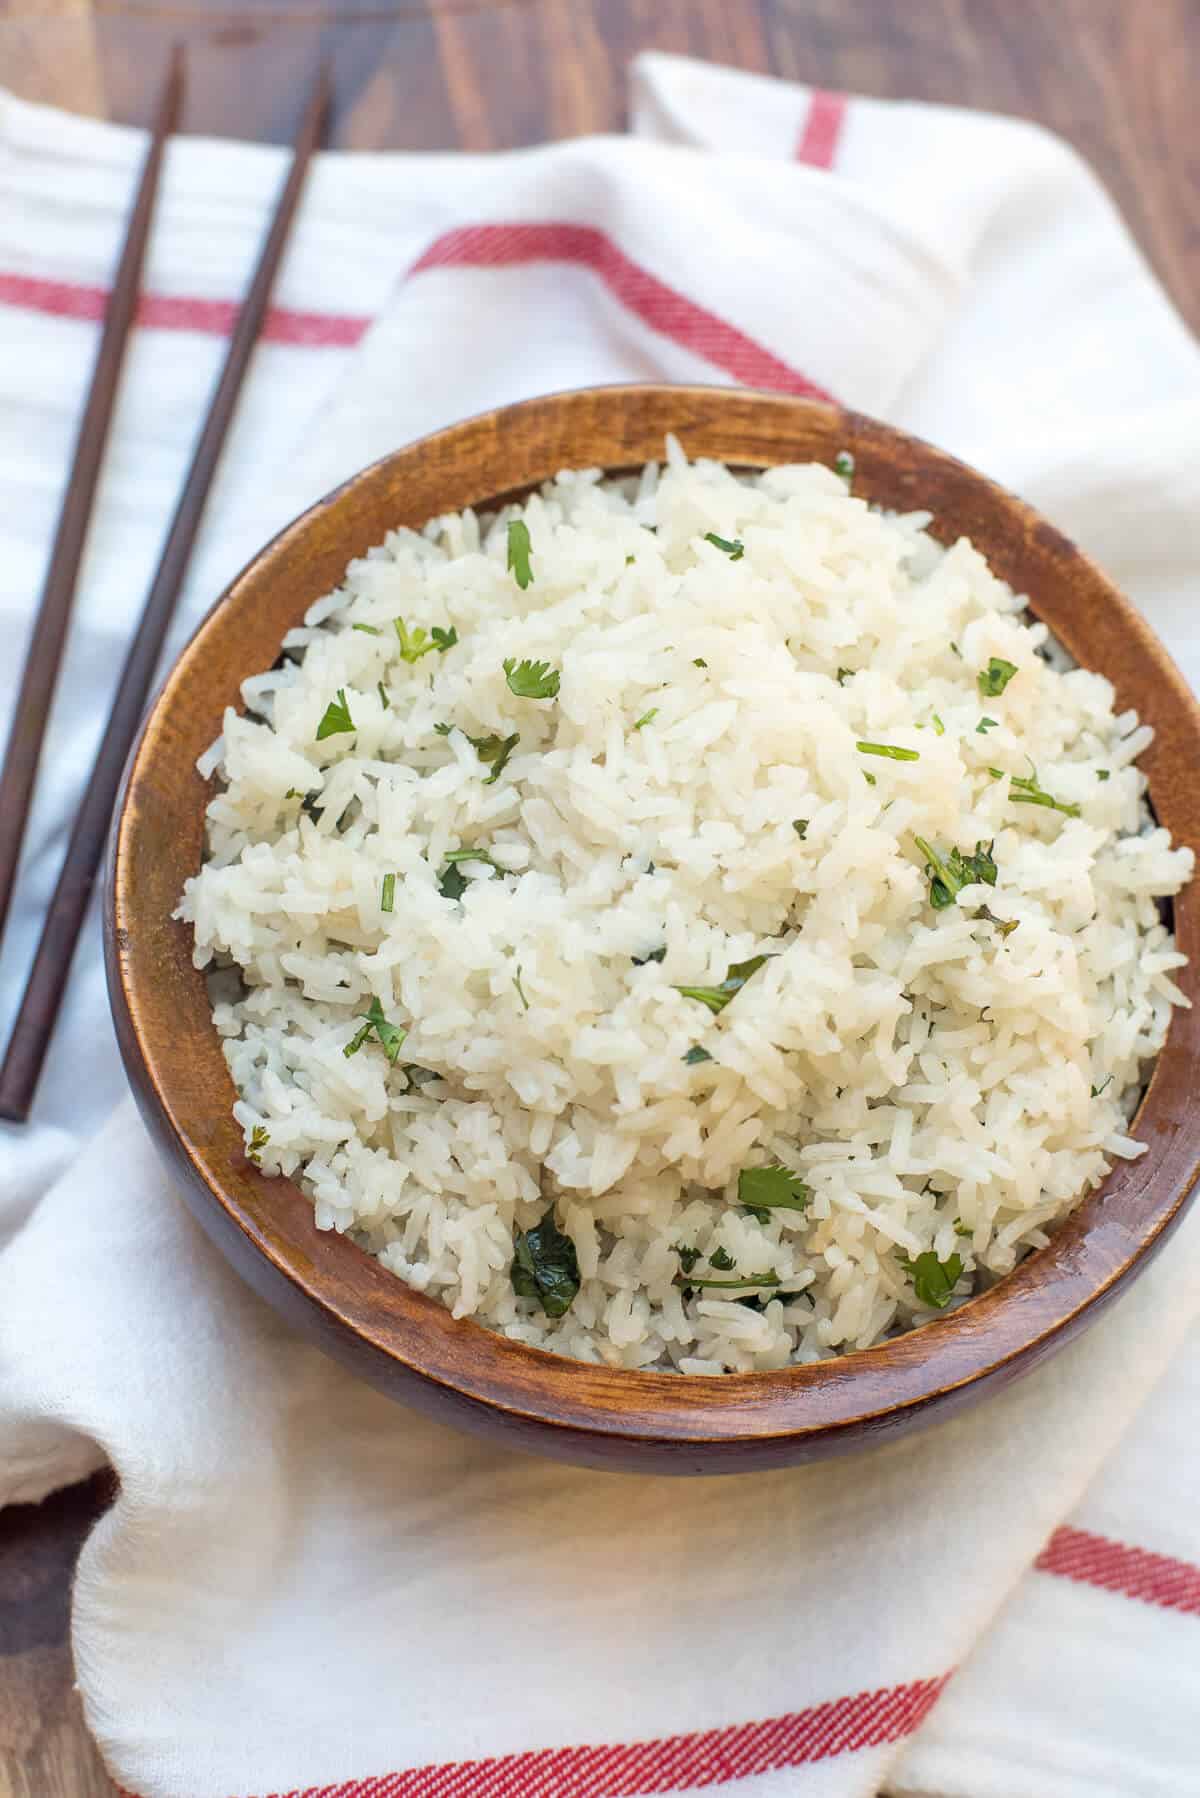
(174, 86)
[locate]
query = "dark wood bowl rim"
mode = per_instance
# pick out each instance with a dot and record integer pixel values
(1096, 1251)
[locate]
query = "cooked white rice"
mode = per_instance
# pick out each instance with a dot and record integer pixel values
(944, 1088)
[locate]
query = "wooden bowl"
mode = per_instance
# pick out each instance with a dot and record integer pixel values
(407, 1343)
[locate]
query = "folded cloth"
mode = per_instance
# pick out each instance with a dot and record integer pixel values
(302, 1587)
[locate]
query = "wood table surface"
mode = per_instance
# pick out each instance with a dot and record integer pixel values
(1118, 79)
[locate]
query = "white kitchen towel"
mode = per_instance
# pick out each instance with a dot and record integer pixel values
(301, 1587)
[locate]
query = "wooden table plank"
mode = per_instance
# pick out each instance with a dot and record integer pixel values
(1117, 81)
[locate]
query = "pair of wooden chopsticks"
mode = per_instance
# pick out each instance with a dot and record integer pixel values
(48, 978)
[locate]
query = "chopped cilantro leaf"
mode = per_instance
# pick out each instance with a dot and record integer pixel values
(696, 1055)
(950, 874)
(493, 751)
(891, 751)
(993, 679)
(800, 826)
(764, 1279)
(259, 1138)
(699, 662)
(545, 1267)
(985, 725)
(687, 1257)
(519, 547)
(444, 639)
(1028, 790)
(415, 643)
(1005, 926)
(391, 1036)
(452, 883)
(530, 680)
(764, 1189)
(721, 1259)
(843, 675)
(337, 717)
(1102, 773)
(639, 961)
(734, 548)
(1097, 1090)
(718, 997)
(933, 1280)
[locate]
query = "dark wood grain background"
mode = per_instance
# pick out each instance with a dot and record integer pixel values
(1119, 78)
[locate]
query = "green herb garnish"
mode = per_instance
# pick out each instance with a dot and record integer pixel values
(337, 717)
(800, 826)
(545, 1267)
(776, 1188)
(961, 1229)
(259, 1138)
(493, 751)
(933, 1280)
(985, 725)
(734, 548)
(368, 630)
(890, 750)
(519, 547)
(938, 727)
(387, 896)
(391, 1036)
(520, 988)
(1102, 773)
(993, 679)
(843, 464)
(419, 642)
(718, 997)
(687, 1257)
(696, 1055)
(1005, 926)
(869, 778)
(766, 1279)
(721, 1259)
(384, 701)
(1097, 1090)
(530, 680)
(452, 883)
(646, 717)
(699, 662)
(949, 875)
(1029, 791)
(843, 675)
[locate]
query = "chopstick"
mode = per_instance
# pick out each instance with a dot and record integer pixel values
(38, 1010)
(44, 658)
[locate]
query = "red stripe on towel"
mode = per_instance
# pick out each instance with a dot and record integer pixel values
(1116, 1567)
(669, 313)
(167, 312)
(817, 142)
(682, 1763)
(665, 310)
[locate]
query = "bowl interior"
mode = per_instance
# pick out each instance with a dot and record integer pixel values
(353, 1305)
